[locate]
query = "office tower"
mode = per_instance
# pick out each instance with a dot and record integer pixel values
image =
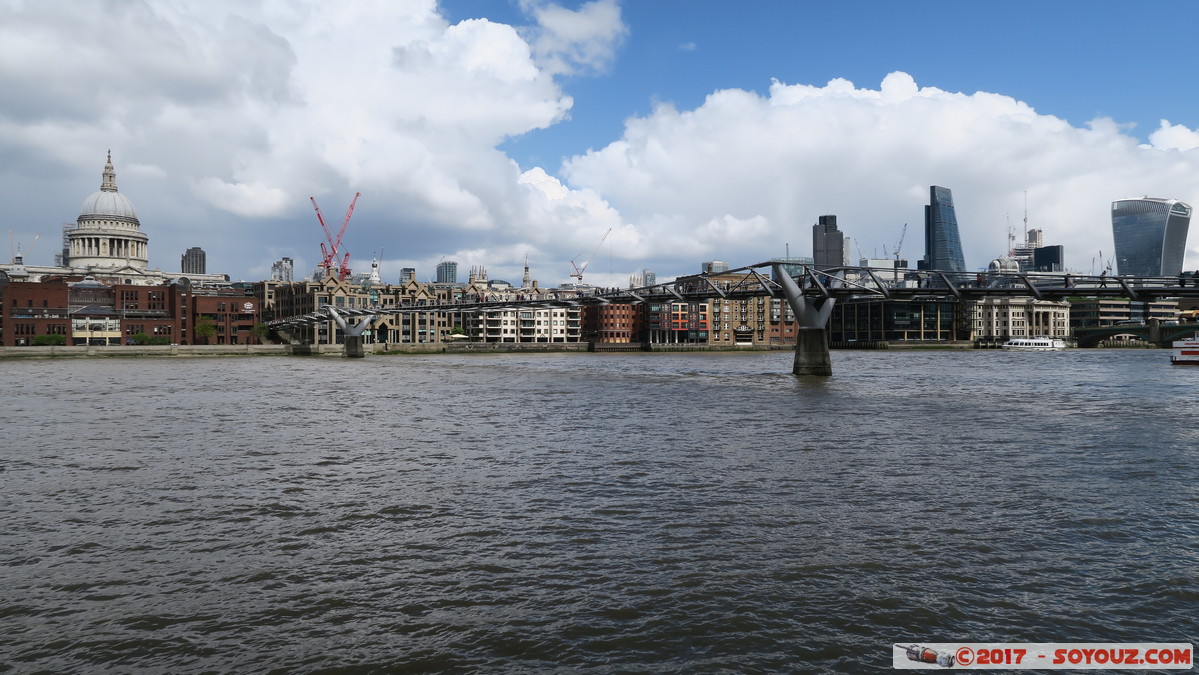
(282, 270)
(193, 261)
(407, 274)
(714, 267)
(942, 243)
(648, 278)
(1151, 235)
(447, 272)
(1023, 253)
(64, 258)
(828, 244)
(1048, 259)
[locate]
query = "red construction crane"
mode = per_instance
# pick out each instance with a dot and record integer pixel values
(329, 254)
(578, 273)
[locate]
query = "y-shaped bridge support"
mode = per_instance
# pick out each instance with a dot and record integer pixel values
(811, 345)
(353, 333)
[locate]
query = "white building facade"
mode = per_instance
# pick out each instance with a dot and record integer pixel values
(999, 319)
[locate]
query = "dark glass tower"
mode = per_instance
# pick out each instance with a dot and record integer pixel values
(942, 243)
(1151, 235)
(828, 244)
(194, 261)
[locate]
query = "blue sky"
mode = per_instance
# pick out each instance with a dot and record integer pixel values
(486, 131)
(1073, 60)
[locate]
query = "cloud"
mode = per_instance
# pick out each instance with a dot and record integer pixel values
(246, 109)
(250, 200)
(779, 161)
(1174, 137)
(572, 41)
(225, 116)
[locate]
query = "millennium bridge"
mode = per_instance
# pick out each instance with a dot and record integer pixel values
(811, 293)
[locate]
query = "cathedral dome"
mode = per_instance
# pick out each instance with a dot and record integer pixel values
(1003, 264)
(107, 235)
(103, 203)
(107, 202)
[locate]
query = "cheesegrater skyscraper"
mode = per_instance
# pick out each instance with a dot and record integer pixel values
(942, 243)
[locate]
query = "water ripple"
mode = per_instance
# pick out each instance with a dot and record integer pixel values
(592, 513)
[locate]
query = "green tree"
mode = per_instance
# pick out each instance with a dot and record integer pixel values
(260, 331)
(49, 340)
(140, 338)
(204, 329)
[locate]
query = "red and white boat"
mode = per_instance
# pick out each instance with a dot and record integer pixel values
(1186, 352)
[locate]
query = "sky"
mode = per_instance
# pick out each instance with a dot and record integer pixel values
(647, 134)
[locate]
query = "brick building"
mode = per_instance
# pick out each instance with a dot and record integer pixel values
(84, 311)
(617, 323)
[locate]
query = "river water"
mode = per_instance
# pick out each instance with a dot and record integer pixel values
(590, 512)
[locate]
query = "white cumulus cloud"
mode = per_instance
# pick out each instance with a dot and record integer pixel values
(869, 156)
(225, 116)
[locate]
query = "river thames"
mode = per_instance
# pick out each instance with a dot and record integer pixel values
(590, 512)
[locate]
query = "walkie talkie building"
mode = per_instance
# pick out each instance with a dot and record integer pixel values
(1151, 235)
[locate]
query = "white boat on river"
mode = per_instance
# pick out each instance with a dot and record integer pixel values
(1035, 344)
(1186, 352)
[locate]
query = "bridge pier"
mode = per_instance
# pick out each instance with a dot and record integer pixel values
(811, 344)
(811, 353)
(353, 347)
(353, 332)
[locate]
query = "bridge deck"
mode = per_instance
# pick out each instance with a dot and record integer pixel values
(835, 283)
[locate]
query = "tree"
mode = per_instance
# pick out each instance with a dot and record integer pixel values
(260, 331)
(204, 329)
(49, 340)
(140, 338)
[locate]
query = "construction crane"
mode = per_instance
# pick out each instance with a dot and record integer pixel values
(902, 234)
(578, 273)
(330, 259)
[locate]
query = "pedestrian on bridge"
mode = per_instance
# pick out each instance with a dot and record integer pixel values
(1103, 279)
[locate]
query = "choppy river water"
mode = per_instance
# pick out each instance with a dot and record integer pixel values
(590, 512)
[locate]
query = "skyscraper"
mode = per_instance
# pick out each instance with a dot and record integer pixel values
(942, 243)
(447, 272)
(193, 261)
(1151, 235)
(1049, 258)
(828, 244)
(283, 270)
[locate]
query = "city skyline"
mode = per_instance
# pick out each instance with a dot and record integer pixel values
(483, 132)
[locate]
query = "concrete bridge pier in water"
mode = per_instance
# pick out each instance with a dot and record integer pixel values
(353, 333)
(811, 316)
